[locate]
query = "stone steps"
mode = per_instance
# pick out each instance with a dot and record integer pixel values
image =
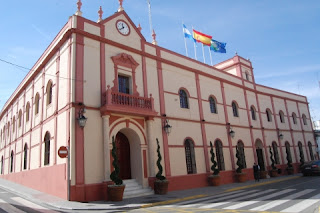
(134, 189)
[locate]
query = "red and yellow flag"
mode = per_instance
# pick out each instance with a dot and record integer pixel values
(201, 37)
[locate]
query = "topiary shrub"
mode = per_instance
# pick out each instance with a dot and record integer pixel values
(272, 161)
(289, 160)
(301, 157)
(159, 175)
(115, 174)
(214, 163)
(239, 161)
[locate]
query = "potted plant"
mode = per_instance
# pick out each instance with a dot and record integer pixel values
(115, 191)
(273, 171)
(214, 179)
(289, 168)
(241, 177)
(161, 183)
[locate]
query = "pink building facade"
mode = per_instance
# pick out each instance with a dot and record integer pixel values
(131, 89)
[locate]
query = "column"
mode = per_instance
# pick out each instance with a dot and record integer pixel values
(106, 150)
(151, 148)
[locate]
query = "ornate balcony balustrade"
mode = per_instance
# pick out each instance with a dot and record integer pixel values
(117, 102)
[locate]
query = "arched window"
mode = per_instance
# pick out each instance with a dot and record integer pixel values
(190, 157)
(1, 165)
(275, 152)
(247, 76)
(25, 156)
(304, 118)
(281, 114)
(20, 117)
(8, 128)
(301, 154)
(183, 99)
(242, 155)
(235, 109)
(27, 112)
(253, 113)
(49, 93)
(294, 118)
(288, 151)
(47, 148)
(213, 105)
(11, 161)
(269, 115)
(219, 154)
(1, 138)
(310, 150)
(36, 104)
(13, 123)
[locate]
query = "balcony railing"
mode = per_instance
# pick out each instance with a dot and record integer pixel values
(126, 103)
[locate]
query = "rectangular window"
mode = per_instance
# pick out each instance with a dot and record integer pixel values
(123, 84)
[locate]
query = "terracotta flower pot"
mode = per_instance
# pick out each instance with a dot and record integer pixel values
(115, 192)
(241, 177)
(273, 173)
(214, 180)
(161, 187)
(263, 174)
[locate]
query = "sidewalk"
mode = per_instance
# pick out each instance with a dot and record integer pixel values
(131, 203)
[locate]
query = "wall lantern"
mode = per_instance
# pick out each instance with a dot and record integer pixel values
(81, 118)
(167, 127)
(281, 136)
(232, 133)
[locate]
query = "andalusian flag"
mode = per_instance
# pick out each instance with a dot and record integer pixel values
(203, 38)
(217, 46)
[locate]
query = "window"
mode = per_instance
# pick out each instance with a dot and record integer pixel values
(1, 165)
(275, 152)
(304, 118)
(47, 148)
(235, 109)
(213, 106)
(190, 157)
(13, 123)
(49, 93)
(310, 150)
(301, 154)
(183, 99)
(247, 76)
(11, 162)
(25, 156)
(240, 147)
(288, 151)
(36, 104)
(27, 111)
(8, 126)
(20, 117)
(294, 118)
(123, 82)
(219, 154)
(253, 113)
(281, 116)
(269, 115)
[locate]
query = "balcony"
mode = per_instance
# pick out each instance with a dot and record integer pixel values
(116, 102)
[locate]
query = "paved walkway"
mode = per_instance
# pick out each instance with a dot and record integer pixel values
(130, 203)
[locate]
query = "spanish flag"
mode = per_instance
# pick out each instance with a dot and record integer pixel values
(203, 38)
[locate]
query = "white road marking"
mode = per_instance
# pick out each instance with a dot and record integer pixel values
(275, 203)
(9, 208)
(31, 205)
(303, 204)
(213, 205)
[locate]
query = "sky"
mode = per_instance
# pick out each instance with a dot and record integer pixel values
(281, 38)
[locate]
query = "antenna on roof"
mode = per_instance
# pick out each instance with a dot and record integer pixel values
(150, 19)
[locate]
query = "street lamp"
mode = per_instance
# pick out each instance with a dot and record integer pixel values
(81, 118)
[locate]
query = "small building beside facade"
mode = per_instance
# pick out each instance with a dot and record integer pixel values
(130, 89)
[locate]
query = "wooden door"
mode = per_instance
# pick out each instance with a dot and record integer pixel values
(260, 159)
(123, 151)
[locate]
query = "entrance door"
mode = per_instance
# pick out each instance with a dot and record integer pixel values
(260, 159)
(123, 151)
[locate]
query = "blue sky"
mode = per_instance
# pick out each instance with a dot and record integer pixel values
(281, 38)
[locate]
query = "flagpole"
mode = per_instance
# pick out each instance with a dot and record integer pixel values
(194, 47)
(210, 56)
(204, 59)
(150, 18)
(185, 41)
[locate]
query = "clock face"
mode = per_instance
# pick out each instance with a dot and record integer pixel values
(123, 28)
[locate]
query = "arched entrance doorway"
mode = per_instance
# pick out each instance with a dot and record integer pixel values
(259, 151)
(123, 151)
